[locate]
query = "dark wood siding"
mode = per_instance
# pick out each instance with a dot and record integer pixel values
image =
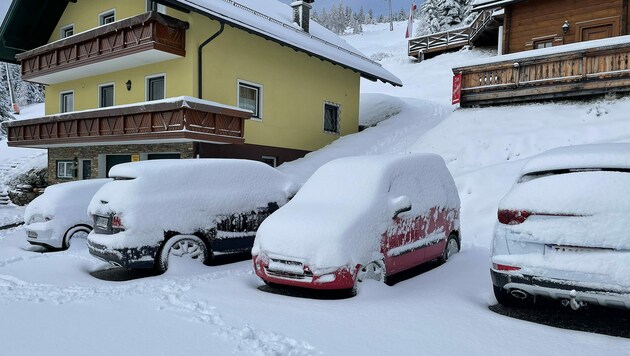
(532, 20)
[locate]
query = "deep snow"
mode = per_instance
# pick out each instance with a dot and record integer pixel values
(50, 304)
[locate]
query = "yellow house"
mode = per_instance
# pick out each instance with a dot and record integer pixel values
(131, 80)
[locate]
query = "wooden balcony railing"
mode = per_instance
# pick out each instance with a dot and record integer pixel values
(455, 38)
(585, 71)
(172, 119)
(149, 31)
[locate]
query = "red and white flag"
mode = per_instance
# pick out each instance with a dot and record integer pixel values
(410, 23)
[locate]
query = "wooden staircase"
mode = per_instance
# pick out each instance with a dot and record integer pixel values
(456, 38)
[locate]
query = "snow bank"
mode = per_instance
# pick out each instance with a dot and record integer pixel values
(337, 218)
(184, 195)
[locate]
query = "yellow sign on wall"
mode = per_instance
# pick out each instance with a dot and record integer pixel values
(135, 158)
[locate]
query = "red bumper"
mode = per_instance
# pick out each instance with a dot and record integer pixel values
(342, 278)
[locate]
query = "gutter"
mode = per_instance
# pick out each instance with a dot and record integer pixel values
(200, 58)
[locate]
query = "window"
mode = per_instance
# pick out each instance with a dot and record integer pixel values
(156, 89)
(543, 44)
(249, 98)
(67, 31)
(65, 169)
(270, 160)
(153, 6)
(105, 95)
(67, 101)
(331, 118)
(107, 17)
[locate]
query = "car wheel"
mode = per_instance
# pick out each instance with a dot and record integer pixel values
(504, 298)
(74, 232)
(182, 246)
(451, 248)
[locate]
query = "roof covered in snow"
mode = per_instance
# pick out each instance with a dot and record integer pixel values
(488, 4)
(270, 19)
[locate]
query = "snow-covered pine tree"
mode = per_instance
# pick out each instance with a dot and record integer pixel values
(440, 15)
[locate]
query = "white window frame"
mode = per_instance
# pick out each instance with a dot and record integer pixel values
(259, 88)
(61, 95)
(104, 14)
(146, 84)
(338, 106)
(112, 84)
(273, 159)
(65, 163)
(160, 8)
(62, 31)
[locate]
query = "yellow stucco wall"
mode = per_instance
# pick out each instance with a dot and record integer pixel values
(295, 86)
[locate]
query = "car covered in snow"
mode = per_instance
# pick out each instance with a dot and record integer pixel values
(361, 217)
(196, 208)
(55, 217)
(562, 229)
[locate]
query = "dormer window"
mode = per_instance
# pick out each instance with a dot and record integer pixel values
(107, 17)
(67, 31)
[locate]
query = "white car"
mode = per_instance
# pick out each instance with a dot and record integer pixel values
(361, 217)
(195, 208)
(53, 218)
(562, 230)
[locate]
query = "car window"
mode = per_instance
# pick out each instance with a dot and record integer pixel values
(535, 175)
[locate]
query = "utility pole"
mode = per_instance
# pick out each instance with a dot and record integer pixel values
(391, 20)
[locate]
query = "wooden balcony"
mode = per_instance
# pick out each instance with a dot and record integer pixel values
(588, 68)
(144, 39)
(171, 120)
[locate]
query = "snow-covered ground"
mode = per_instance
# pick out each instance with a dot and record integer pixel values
(50, 304)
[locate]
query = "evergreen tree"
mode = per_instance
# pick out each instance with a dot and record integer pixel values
(440, 15)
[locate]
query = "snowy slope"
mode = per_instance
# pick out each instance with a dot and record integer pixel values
(50, 304)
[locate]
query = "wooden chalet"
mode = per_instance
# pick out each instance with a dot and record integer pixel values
(551, 49)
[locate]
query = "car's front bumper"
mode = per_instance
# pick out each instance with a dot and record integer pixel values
(135, 257)
(562, 289)
(333, 279)
(41, 234)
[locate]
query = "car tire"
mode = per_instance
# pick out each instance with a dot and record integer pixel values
(190, 246)
(65, 243)
(504, 298)
(452, 247)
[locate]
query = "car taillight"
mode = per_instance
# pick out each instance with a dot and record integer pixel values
(500, 267)
(512, 217)
(117, 223)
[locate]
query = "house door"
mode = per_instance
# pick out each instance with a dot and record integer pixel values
(86, 169)
(113, 160)
(597, 32)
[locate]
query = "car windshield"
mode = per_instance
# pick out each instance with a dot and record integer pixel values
(534, 175)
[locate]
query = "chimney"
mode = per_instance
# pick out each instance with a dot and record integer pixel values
(302, 12)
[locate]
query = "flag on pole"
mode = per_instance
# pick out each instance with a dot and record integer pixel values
(410, 23)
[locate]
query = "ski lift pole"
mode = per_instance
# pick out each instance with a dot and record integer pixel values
(16, 108)
(391, 20)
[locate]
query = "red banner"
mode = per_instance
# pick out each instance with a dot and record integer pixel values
(457, 88)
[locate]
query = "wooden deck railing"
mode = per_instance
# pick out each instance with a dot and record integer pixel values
(582, 72)
(136, 34)
(176, 120)
(455, 38)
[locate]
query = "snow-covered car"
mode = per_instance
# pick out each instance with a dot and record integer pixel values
(361, 217)
(196, 208)
(53, 218)
(562, 230)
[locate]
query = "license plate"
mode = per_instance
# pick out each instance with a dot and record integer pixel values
(102, 222)
(286, 267)
(31, 234)
(562, 248)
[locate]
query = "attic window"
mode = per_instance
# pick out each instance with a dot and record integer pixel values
(67, 31)
(107, 17)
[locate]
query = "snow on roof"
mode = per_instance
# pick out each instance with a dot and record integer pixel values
(608, 155)
(573, 47)
(273, 19)
(486, 4)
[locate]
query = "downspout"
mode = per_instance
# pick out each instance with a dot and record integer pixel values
(200, 58)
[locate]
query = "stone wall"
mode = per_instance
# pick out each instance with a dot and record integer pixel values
(185, 149)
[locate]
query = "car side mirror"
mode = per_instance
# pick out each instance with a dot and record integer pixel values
(400, 205)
